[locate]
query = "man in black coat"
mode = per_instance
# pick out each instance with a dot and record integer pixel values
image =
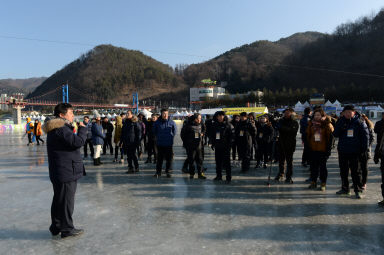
(222, 137)
(353, 142)
(108, 130)
(130, 140)
(245, 133)
(379, 130)
(151, 139)
(192, 135)
(303, 128)
(88, 124)
(287, 128)
(65, 167)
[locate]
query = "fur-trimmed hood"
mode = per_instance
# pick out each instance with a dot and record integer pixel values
(53, 124)
(134, 118)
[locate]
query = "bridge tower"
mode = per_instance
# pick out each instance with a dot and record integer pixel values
(17, 103)
(136, 102)
(65, 93)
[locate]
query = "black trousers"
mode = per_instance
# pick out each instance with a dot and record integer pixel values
(131, 155)
(318, 166)
(164, 152)
(186, 164)
(382, 174)
(63, 204)
(234, 150)
(363, 166)
(195, 156)
(244, 150)
(88, 142)
(152, 149)
(39, 139)
(223, 160)
(306, 153)
(140, 147)
(285, 156)
(263, 152)
(350, 162)
(29, 137)
(107, 142)
(117, 149)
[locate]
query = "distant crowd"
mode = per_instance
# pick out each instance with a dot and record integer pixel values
(265, 139)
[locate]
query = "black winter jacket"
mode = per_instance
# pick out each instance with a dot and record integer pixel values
(353, 135)
(222, 135)
(287, 129)
(191, 135)
(63, 146)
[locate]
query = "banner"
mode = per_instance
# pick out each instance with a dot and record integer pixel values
(238, 110)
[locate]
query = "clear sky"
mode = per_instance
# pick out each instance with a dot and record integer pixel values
(196, 30)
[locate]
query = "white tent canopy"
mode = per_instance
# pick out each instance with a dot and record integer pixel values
(328, 103)
(176, 114)
(210, 111)
(298, 104)
(306, 104)
(337, 103)
(146, 113)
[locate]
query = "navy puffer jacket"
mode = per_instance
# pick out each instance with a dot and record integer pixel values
(353, 135)
(63, 146)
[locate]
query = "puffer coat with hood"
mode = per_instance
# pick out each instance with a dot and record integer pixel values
(118, 128)
(63, 146)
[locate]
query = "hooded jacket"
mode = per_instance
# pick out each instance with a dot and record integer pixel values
(264, 133)
(287, 134)
(245, 132)
(29, 126)
(353, 135)
(131, 132)
(108, 128)
(97, 134)
(324, 141)
(222, 135)
(165, 131)
(89, 129)
(37, 129)
(63, 146)
(118, 129)
(191, 135)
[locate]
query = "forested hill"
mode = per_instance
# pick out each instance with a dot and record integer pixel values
(249, 66)
(109, 74)
(10, 86)
(347, 65)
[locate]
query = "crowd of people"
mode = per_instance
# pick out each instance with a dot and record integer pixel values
(267, 139)
(239, 139)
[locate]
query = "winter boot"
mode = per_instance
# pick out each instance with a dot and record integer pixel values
(313, 185)
(202, 176)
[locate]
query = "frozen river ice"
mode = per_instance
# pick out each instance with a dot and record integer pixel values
(137, 214)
